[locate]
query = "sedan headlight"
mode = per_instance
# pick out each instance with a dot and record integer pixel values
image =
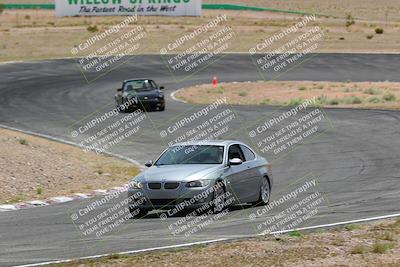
(135, 184)
(198, 183)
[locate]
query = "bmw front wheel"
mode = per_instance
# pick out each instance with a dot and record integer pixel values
(265, 193)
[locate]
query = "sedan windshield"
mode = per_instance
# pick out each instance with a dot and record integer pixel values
(192, 154)
(140, 85)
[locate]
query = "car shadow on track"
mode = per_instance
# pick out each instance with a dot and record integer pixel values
(157, 214)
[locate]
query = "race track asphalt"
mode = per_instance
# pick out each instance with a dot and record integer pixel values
(356, 158)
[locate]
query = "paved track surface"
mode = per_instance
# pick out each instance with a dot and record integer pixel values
(355, 158)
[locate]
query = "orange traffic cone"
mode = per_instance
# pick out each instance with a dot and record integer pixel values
(215, 81)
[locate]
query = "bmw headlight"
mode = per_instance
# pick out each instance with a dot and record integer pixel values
(134, 184)
(198, 183)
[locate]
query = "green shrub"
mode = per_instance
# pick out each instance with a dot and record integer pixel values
(321, 100)
(380, 247)
(265, 101)
(370, 36)
(349, 20)
(15, 199)
(372, 91)
(359, 249)
(334, 102)
(351, 227)
(295, 233)
(23, 141)
(92, 28)
(302, 88)
(389, 97)
(353, 100)
(356, 100)
(389, 236)
(39, 190)
(114, 256)
(2, 7)
(295, 102)
(348, 90)
(242, 93)
(379, 30)
(374, 100)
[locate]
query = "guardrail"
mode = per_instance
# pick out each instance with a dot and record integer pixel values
(29, 6)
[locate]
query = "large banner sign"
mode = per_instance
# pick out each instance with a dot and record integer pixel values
(128, 7)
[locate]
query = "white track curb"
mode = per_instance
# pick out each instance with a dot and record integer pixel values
(172, 95)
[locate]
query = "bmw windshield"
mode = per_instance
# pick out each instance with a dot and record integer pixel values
(192, 154)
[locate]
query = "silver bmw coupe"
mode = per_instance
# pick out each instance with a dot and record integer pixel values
(191, 175)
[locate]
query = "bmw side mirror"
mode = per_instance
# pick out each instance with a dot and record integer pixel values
(149, 163)
(119, 89)
(235, 161)
(162, 87)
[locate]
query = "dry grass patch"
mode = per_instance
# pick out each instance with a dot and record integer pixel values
(337, 247)
(36, 168)
(385, 95)
(37, 34)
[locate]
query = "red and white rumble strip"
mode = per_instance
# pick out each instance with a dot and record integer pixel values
(60, 199)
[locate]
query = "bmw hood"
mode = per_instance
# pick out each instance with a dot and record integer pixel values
(178, 173)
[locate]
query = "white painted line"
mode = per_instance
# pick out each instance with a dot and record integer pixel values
(38, 203)
(61, 199)
(126, 252)
(7, 207)
(211, 241)
(340, 223)
(172, 95)
(100, 192)
(24, 205)
(118, 188)
(80, 195)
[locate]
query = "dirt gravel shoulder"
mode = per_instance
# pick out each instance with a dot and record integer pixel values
(374, 244)
(38, 34)
(36, 168)
(371, 95)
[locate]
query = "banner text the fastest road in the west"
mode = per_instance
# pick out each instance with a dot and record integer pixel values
(128, 7)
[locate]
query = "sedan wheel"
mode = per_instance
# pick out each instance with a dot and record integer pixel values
(219, 198)
(265, 193)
